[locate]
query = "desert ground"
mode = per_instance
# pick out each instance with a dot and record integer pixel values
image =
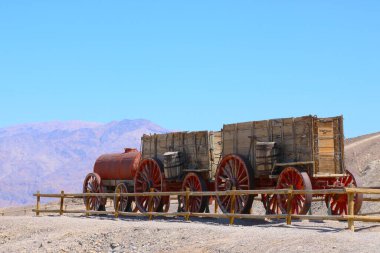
(104, 234)
(25, 232)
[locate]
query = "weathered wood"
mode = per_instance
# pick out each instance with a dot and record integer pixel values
(200, 150)
(371, 199)
(61, 203)
(150, 204)
(351, 211)
(363, 190)
(231, 216)
(117, 202)
(289, 206)
(215, 206)
(233, 199)
(38, 203)
(187, 204)
(310, 141)
(88, 203)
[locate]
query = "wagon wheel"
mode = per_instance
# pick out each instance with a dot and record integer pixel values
(164, 205)
(338, 202)
(233, 171)
(270, 203)
(93, 184)
(124, 203)
(197, 204)
(148, 176)
(133, 208)
(300, 203)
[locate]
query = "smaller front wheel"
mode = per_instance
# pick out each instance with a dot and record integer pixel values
(195, 183)
(338, 203)
(124, 202)
(93, 184)
(300, 203)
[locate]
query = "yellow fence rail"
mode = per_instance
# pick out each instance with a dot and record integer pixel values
(288, 217)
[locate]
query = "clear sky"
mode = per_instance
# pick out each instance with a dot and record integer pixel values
(190, 65)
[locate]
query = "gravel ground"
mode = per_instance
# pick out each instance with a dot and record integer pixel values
(105, 234)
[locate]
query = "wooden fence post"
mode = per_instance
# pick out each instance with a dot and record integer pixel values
(150, 204)
(88, 203)
(350, 197)
(187, 204)
(233, 199)
(289, 206)
(61, 204)
(38, 203)
(117, 203)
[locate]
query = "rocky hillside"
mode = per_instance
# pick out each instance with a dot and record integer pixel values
(363, 155)
(57, 155)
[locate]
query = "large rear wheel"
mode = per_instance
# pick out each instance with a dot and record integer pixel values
(149, 176)
(195, 183)
(233, 171)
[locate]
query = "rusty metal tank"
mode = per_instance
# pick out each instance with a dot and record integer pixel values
(118, 166)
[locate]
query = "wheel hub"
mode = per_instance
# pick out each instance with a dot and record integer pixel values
(146, 186)
(230, 183)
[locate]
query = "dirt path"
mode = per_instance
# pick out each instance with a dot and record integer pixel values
(102, 234)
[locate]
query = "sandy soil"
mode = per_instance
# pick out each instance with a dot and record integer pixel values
(102, 234)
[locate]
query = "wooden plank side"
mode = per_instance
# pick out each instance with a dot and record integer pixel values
(329, 153)
(194, 146)
(147, 146)
(293, 136)
(216, 151)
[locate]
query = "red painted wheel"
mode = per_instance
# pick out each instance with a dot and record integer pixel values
(338, 202)
(93, 184)
(165, 204)
(233, 171)
(197, 204)
(124, 203)
(270, 203)
(300, 203)
(148, 176)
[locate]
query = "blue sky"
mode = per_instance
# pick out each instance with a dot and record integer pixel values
(190, 65)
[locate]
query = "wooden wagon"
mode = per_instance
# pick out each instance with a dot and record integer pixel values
(176, 161)
(303, 153)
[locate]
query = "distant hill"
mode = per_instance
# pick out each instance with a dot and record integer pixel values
(52, 156)
(363, 154)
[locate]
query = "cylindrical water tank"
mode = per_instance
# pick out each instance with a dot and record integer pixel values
(118, 166)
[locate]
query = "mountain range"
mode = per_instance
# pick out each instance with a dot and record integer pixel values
(52, 156)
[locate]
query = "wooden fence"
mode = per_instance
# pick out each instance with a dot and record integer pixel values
(350, 217)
